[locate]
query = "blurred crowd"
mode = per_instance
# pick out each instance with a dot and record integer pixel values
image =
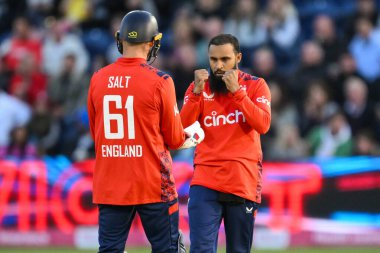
(321, 60)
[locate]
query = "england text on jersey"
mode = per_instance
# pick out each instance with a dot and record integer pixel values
(122, 151)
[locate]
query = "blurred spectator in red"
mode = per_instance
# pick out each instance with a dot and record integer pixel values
(58, 43)
(22, 43)
(333, 138)
(365, 48)
(358, 108)
(20, 146)
(28, 82)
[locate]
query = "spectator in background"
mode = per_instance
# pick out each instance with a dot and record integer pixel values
(23, 43)
(311, 68)
(5, 76)
(243, 22)
(282, 28)
(8, 9)
(182, 29)
(58, 43)
(13, 113)
(205, 9)
(317, 106)
(326, 35)
(207, 21)
(20, 146)
(358, 108)
(119, 7)
(40, 9)
(68, 92)
(288, 145)
(184, 62)
(346, 68)
(28, 82)
(111, 53)
(365, 144)
(277, 143)
(332, 138)
(364, 9)
(69, 88)
(365, 48)
(264, 65)
(211, 27)
(44, 127)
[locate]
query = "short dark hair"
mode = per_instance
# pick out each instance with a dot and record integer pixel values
(223, 39)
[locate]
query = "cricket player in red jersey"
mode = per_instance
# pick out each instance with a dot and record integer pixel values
(134, 120)
(233, 108)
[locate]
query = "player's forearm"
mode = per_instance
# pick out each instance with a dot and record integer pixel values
(175, 140)
(256, 117)
(190, 110)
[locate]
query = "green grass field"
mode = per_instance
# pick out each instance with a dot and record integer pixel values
(146, 250)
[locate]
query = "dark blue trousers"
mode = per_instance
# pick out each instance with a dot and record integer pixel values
(160, 222)
(206, 212)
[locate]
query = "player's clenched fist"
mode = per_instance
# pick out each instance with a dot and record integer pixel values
(230, 78)
(200, 77)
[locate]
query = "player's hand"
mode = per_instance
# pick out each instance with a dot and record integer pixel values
(230, 78)
(200, 78)
(194, 135)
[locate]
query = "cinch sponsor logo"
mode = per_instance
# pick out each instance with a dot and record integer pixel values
(263, 100)
(216, 120)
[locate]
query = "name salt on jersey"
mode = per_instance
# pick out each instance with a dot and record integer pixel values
(118, 81)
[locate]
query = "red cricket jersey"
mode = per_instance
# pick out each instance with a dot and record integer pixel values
(134, 120)
(229, 158)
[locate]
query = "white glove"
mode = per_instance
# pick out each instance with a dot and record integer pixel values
(196, 135)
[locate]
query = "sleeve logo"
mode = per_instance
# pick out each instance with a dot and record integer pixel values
(208, 97)
(263, 100)
(132, 35)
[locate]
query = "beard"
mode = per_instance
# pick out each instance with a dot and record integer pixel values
(217, 85)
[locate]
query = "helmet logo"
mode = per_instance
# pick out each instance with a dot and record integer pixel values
(132, 35)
